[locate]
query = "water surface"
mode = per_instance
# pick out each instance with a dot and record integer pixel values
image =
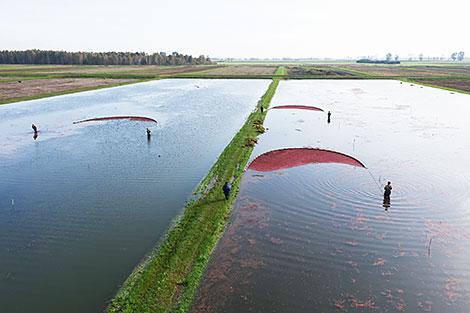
(317, 237)
(83, 203)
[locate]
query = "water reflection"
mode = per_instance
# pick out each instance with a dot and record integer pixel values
(386, 202)
(93, 198)
(311, 237)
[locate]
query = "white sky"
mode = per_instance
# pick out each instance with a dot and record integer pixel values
(242, 28)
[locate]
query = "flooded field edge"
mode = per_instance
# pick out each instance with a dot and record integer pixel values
(425, 81)
(169, 275)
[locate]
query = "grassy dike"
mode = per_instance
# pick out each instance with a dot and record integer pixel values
(280, 71)
(167, 279)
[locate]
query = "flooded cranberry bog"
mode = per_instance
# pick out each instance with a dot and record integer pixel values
(311, 230)
(84, 199)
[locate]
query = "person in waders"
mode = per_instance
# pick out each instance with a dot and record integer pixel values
(387, 193)
(329, 115)
(226, 189)
(34, 128)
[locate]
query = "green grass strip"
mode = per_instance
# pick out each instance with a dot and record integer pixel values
(22, 79)
(167, 279)
(281, 70)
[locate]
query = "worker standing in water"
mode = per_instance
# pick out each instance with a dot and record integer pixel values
(329, 115)
(148, 132)
(387, 193)
(34, 128)
(388, 189)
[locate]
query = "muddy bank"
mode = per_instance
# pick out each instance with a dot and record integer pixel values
(28, 88)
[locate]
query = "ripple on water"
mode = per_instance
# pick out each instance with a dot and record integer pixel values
(333, 228)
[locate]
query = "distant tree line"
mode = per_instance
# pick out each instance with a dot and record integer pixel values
(457, 56)
(98, 58)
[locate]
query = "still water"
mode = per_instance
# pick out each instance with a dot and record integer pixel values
(318, 238)
(81, 204)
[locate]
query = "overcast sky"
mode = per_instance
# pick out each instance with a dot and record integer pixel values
(242, 28)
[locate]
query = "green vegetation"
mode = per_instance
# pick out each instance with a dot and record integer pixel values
(167, 279)
(23, 79)
(98, 58)
(433, 74)
(280, 71)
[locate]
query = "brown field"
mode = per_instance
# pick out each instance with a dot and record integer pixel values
(5, 78)
(387, 70)
(245, 70)
(10, 90)
(315, 70)
(180, 70)
(162, 70)
(41, 69)
(84, 69)
(449, 69)
(458, 74)
(454, 84)
(90, 69)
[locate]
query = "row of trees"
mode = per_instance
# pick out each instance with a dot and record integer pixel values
(388, 58)
(98, 58)
(457, 56)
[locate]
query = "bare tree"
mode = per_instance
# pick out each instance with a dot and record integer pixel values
(420, 57)
(461, 56)
(396, 57)
(453, 56)
(389, 57)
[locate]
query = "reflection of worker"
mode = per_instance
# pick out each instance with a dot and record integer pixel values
(34, 128)
(226, 189)
(329, 115)
(386, 204)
